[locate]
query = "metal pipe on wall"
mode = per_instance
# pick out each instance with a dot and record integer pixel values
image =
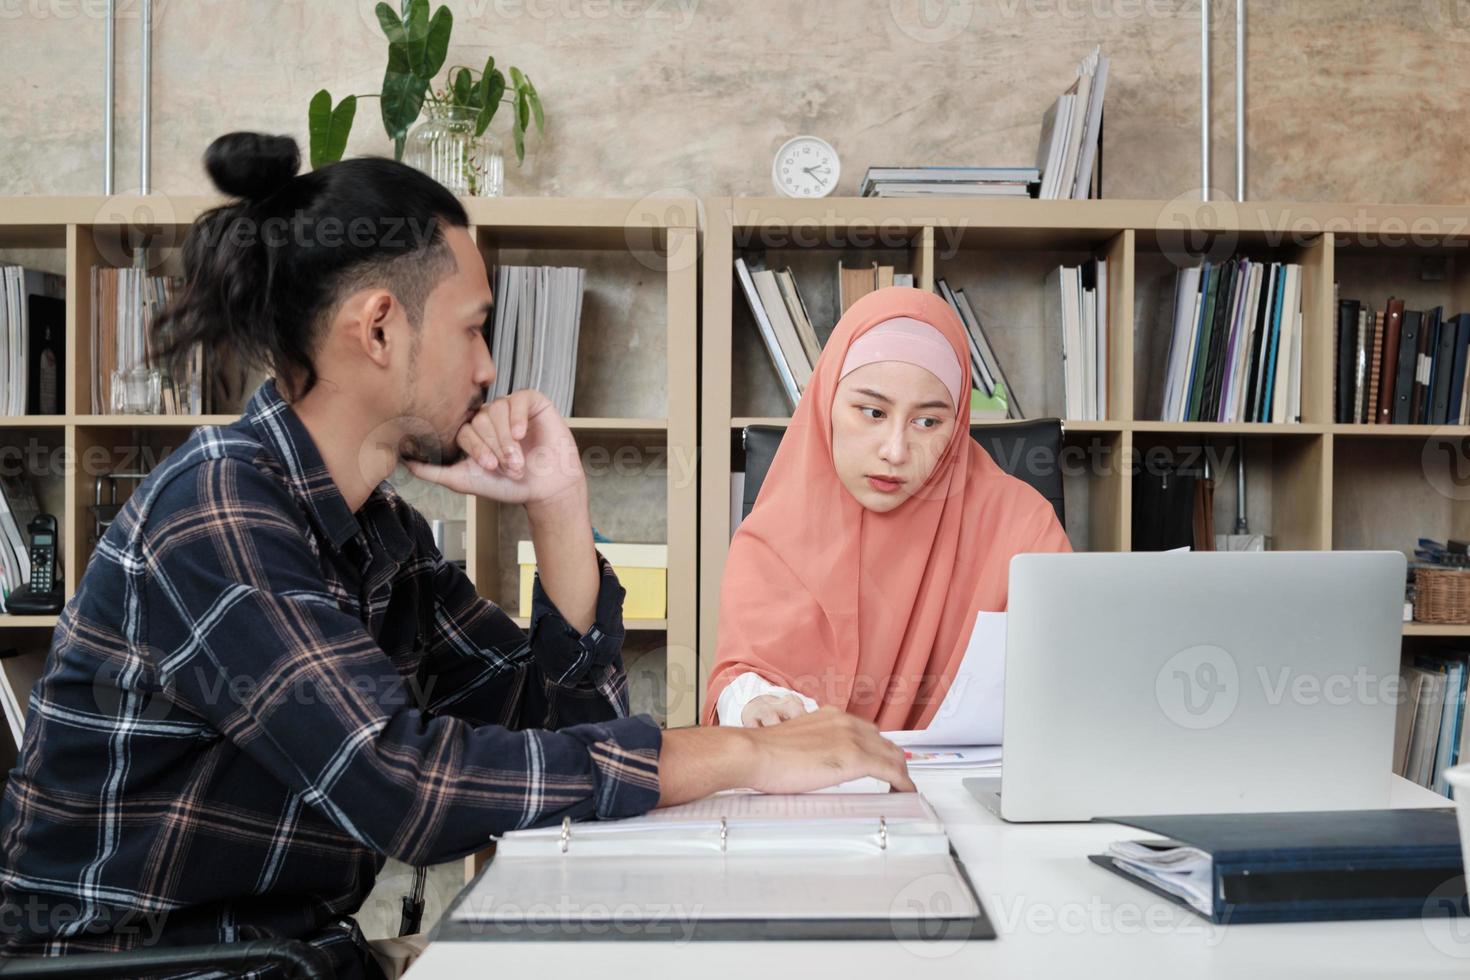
(145, 97)
(109, 73)
(1204, 97)
(1240, 100)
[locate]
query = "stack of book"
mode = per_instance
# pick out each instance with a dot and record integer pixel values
(951, 181)
(1431, 735)
(536, 327)
(1077, 303)
(1400, 366)
(985, 368)
(785, 326)
(1235, 354)
(787, 329)
(124, 304)
(18, 505)
(1069, 154)
(32, 341)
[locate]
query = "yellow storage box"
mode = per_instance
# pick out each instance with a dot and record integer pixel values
(643, 569)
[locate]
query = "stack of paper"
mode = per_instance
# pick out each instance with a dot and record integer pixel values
(1071, 134)
(536, 327)
(32, 328)
(965, 731)
(1076, 299)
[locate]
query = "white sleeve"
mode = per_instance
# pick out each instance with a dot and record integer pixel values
(746, 688)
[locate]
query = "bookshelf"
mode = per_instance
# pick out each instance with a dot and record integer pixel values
(635, 401)
(1312, 485)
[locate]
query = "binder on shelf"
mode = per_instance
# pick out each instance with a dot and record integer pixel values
(732, 866)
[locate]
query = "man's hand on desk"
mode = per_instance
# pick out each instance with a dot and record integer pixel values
(771, 709)
(812, 751)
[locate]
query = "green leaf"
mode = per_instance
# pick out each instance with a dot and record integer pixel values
(403, 93)
(329, 127)
(523, 108)
(494, 92)
(482, 87)
(392, 26)
(436, 44)
(535, 100)
(462, 86)
(518, 131)
(416, 27)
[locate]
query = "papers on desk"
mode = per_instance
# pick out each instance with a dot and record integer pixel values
(1184, 872)
(978, 760)
(965, 732)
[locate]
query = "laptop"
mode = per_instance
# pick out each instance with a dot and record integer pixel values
(1198, 682)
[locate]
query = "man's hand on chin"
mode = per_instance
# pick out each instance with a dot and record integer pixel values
(518, 450)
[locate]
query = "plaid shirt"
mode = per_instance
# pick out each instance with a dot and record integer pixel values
(256, 694)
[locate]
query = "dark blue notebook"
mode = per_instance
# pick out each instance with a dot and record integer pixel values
(1302, 867)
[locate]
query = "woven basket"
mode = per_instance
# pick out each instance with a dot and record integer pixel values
(1442, 595)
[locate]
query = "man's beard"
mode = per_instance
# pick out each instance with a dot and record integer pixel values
(441, 449)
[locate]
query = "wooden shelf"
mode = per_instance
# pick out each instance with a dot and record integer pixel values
(1436, 629)
(1317, 484)
(650, 246)
(631, 625)
(617, 425)
(153, 421)
(1229, 428)
(8, 621)
(1361, 431)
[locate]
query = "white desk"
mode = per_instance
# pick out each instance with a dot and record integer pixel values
(1056, 915)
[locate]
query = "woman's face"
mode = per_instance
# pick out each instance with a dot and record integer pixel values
(891, 422)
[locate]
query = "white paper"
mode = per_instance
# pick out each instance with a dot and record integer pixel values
(972, 758)
(970, 713)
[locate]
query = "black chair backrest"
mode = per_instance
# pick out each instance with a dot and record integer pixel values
(1028, 449)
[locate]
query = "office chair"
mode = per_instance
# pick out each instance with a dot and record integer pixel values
(301, 961)
(1028, 449)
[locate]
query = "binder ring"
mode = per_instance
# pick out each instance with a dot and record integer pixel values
(566, 833)
(882, 833)
(724, 833)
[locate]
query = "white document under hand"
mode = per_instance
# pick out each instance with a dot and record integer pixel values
(970, 713)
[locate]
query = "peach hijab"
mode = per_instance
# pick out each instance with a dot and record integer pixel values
(872, 612)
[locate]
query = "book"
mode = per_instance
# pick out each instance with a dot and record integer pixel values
(854, 284)
(796, 308)
(827, 865)
(768, 333)
(792, 349)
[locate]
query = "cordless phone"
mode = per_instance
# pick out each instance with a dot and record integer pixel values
(42, 594)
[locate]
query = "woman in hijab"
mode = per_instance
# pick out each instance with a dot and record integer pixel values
(880, 531)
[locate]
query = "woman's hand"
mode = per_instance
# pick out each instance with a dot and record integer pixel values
(771, 709)
(517, 451)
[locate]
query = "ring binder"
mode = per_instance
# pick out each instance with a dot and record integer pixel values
(778, 881)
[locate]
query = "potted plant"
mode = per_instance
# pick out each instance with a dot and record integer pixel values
(452, 143)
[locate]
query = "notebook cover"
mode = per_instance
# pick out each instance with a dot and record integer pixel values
(1393, 319)
(1403, 386)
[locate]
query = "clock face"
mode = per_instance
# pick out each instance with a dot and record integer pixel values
(806, 166)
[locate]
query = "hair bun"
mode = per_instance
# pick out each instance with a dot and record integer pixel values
(252, 166)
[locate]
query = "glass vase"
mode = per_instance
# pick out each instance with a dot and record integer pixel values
(445, 147)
